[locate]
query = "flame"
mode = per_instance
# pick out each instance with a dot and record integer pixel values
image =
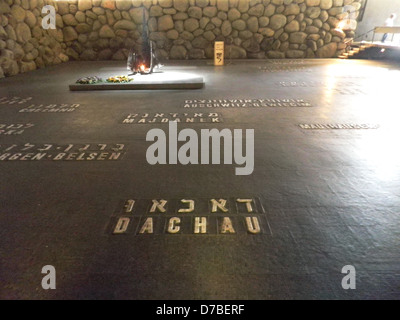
(142, 67)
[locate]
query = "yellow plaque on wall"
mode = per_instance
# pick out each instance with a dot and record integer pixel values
(219, 53)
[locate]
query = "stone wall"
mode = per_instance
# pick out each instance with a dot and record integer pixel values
(24, 44)
(181, 29)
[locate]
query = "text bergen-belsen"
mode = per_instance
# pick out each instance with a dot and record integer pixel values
(70, 152)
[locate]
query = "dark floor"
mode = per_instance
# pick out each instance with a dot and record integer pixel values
(326, 196)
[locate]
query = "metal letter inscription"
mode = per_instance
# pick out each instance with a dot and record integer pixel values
(337, 126)
(245, 103)
(238, 215)
(220, 204)
(14, 129)
(54, 152)
(191, 206)
(149, 118)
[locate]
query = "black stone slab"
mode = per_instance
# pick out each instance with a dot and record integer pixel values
(324, 198)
